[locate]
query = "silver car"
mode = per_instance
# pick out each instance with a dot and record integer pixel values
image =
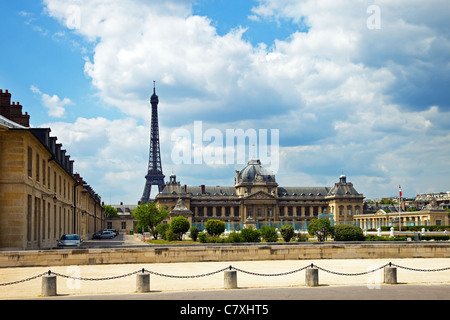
(70, 240)
(107, 235)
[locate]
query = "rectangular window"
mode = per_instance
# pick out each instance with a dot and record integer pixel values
(30, 162)
(124, 225)
(43, 172)
(54, 221)
(48, 224)
(29, 216)
(37, 167)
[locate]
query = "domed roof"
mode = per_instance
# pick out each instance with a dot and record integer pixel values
(255, 172)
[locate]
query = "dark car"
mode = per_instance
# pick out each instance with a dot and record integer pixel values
(97, 235)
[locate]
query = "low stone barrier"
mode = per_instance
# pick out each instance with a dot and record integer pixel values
(49, 283)
(224, 252)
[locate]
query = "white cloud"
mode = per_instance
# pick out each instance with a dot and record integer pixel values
(358, 96)
(54, 104)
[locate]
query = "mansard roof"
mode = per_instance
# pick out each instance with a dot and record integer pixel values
(302, 191)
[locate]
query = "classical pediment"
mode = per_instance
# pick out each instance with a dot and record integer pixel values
(260, 195)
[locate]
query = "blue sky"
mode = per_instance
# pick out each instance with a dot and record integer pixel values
(346, 97)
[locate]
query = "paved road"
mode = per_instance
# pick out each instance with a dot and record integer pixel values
(324, 292)
(122, 240)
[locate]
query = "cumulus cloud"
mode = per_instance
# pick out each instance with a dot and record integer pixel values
(54, 104)
(345, 97)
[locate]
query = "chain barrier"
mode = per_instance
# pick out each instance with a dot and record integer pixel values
(269, 274)
(221, 270)
(23, 280)
(352, 274)
(422, 270)
(185, 277)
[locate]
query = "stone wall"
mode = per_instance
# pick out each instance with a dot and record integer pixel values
(232, 252)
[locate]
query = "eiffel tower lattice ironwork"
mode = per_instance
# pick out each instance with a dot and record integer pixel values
(154, 175)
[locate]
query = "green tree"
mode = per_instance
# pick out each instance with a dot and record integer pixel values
(215, 227)
(110, 211)
(287, 232)
(148, 215)
(269, 234)
(194, 231)
(179, 225)
(321, 228)
(161, 229)
(250, 235)
(346, 232)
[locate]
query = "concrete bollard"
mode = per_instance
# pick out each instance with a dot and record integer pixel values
(390, 275)
(142, 282)
(312, 277)
(48, 286)
(230, 279)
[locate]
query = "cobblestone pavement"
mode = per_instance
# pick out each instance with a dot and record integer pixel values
(258, 274)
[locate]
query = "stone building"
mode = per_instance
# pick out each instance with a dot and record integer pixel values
(257, 199)
(431, 214)
(40, 196)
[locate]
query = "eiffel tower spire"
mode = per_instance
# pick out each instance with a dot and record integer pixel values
(154, 175)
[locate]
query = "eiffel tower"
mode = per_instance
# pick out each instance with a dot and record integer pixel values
(154, 175)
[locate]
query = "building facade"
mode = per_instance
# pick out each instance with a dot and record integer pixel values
(40, 197)
(431, 214)
(257, 199)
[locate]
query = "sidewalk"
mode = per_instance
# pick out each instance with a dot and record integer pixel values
(127, 285)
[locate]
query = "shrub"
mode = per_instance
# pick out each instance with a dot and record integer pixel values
(250, 235)
(194, 233)
(171, 236)
(269, 234)
(179, 225)
(287, 232)
(346, 232)
(437, 237)
(206, 238)
(215, 227)
(161, 229)
(301, 237)
(202, 237)
(234, 237)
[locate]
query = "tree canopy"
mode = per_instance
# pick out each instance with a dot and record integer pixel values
(148, 215)
(321, 228)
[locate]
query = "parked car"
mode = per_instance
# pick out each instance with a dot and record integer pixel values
(97, 235)
(113, 231)
(70, 240)
(107, 235)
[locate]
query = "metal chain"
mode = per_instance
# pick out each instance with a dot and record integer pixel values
(423, 270)
(184, 277)
(269, 274)
(352, 274)
(94, 279)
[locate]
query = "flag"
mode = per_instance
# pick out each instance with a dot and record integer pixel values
(399, 191)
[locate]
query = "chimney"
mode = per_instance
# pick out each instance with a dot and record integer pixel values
(12, 111)
(5, 104)
(203, 189)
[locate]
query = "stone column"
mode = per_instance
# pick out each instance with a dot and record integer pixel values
(390, 275)
(312, 277)
(142, 282)
(48, 285)
(230, 279)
